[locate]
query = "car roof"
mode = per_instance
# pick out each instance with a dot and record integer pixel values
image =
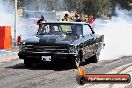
(64, 22)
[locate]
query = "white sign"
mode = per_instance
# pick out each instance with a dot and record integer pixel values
(46, 58)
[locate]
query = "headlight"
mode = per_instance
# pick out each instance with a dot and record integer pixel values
(23, 43)
(72, 48)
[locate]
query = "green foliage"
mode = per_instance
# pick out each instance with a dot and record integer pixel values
(97, 8)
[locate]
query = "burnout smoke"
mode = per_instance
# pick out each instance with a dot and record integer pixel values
(118, 35)
(6, 13)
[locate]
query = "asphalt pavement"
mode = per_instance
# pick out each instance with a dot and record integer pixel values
(14, 74)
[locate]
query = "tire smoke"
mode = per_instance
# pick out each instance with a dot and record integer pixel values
(118, 34)
(6, 13)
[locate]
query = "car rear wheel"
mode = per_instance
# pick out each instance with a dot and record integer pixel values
(93, 59)
(28, 63)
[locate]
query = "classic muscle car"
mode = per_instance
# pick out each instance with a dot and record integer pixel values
(74, 42)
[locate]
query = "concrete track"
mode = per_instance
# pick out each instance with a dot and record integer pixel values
(13, 74)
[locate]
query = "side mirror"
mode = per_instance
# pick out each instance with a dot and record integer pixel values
(92, 31)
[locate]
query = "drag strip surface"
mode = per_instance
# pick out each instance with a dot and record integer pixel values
(13, 74)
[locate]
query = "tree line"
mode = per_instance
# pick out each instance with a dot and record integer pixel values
(97, 8)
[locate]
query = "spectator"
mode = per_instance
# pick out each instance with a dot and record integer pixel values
(77, 18)
(91, 20)
(81, 18)
(66, 18)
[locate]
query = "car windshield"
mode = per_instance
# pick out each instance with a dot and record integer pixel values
(54, 28)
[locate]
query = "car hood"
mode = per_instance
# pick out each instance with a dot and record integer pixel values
(49, 40)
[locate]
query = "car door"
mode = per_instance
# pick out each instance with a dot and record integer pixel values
(89, 44)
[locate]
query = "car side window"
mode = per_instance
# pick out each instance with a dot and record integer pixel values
(77, 30)
(54, 28)
(86, 30)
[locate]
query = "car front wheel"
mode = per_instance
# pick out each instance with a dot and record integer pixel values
(93, 59)
(28, 63)
(78, 61)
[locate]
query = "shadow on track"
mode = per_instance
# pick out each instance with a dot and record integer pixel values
(43, 66)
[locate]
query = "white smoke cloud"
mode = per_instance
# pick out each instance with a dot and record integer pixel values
(7, 18)
(6, 13)
(118, 34)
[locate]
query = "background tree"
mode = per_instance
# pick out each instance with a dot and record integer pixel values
(98, 8)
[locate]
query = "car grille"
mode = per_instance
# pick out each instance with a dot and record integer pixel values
(46, 48)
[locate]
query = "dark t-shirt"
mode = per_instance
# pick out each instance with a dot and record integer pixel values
(39, 22)
(78, 20)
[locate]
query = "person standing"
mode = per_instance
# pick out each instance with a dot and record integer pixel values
(39, 22)
(90, 20)
(66, 18)
(42, 19)
(77, 18)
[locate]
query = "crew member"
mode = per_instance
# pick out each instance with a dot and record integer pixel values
(42, 19)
